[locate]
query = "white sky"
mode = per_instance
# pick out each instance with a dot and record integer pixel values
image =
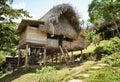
(38, 8)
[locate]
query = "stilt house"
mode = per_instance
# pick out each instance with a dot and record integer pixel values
(59, 28)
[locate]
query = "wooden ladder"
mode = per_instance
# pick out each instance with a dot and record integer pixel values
(64, 54)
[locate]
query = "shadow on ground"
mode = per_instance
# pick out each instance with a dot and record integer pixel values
(32, 69)
(9, 77)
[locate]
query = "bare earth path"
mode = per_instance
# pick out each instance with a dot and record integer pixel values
(82, 72)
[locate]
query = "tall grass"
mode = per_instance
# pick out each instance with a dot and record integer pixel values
(2, 57)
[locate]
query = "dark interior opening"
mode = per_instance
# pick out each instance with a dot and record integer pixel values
(57, 37)
(52, 36)
(68, 39)
(60, 40)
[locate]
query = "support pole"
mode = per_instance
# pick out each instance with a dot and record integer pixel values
(18, 58)
(52, 58)
(72, 57)
(81, 56)
(26, 57)
(44, 55)
(56, 57)
(60, 58)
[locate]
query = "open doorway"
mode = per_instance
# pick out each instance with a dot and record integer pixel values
(60, 40)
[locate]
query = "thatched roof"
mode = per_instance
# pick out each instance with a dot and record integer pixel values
(56, 12)
(105, 25)
(60, 20)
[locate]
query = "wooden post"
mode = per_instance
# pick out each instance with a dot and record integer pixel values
(60, 58)
(44, 55)
(72, 57)
(18, 58)
(52, 58)
(26, 57)
(81, 52)
(81, 56)
(56, 57)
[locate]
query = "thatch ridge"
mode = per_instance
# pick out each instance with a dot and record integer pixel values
(67, 10)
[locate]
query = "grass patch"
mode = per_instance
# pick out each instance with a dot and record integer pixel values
(46, 74)
(107, 74)
(84, 67)
(90, 48)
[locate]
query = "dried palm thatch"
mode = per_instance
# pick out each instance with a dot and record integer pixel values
(62, 20)
(105, 25)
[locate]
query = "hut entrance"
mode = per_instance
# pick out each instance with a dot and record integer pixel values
(60, 40)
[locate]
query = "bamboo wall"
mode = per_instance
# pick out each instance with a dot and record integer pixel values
(22, 39)
(67, 44)
(34, 35)
(52, 43)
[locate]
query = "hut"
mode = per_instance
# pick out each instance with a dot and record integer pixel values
(109, 29)
(57, 31)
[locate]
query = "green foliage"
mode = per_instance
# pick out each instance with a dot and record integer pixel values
(107, 74)
(113, 60)
(7, 13)
(46, 69)
(108, 47)
(8, 37)
(2, 57)
(104, 9)
(103, 50)
(107, 11)
(46, 74)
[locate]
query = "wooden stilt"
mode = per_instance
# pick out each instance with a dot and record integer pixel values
(56, 58)
(44, 55)
(81, 56)
(72, 57)
(52, 58)
(26, 57)
(18, 64)
(60, 59)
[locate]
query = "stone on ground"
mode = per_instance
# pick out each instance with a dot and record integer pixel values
(75, 80)
(96, 67)
(102, 64)
(84, 75)
(90, 71)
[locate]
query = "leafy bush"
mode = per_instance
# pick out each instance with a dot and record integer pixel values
(108, 47)
(46, 74)
(113, 60)
(103, 50)
(2, 57)
(46, 69)
(107, 74)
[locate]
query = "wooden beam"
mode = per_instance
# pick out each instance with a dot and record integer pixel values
(44, 55)
(26, 57)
